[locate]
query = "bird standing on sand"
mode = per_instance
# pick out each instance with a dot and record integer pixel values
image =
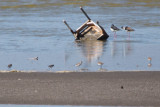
(100, 64)
(9, 66)
(114, 29)
(128, 29)
(51, 66)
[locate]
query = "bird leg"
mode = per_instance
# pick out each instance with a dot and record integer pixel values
(129, 34)
(115, 35)
(101, 67)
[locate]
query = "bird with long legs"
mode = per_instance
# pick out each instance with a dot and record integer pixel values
(114, 29)
(128, 29)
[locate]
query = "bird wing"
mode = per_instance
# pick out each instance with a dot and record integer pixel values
(115, 28)
(129, 29)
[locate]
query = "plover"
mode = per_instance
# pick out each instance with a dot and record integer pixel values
(128, 29)
(114, 29)
(100, 64)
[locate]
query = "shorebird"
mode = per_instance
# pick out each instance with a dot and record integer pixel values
(114, 29)
(51, 66)
(78, 64)
(35, 58)
(100, 64)
(149, 59)
(9, 66)
(128, 29)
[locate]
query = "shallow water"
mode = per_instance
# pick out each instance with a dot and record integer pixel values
(34, 28)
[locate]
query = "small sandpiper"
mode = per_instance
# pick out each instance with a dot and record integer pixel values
(149, 59)
(35, 58)
(51, 66)
(10, 65)
(128, 29)
(78, 64)
(114, 29)
(100, 64)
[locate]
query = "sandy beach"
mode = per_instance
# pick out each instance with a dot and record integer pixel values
(81, 88)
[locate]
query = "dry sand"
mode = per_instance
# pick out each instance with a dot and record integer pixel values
(81, 88)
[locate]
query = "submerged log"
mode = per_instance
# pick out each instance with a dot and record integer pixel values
(89, 30)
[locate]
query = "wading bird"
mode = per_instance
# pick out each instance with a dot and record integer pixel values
(78, 64)
(51, 66)
(149, 59)
(9, 66)
(35, 58)
(100, 64)
(128, 29)
(114, 29)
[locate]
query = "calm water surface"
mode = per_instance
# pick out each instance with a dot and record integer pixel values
(34, 28)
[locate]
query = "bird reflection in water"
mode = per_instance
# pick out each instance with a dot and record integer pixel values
(92, 50)
(121, 46)
(127, 48)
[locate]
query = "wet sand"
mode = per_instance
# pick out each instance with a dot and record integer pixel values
(81, 88)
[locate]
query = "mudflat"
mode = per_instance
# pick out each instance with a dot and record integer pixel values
(81, 88)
